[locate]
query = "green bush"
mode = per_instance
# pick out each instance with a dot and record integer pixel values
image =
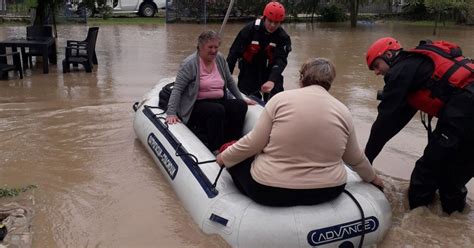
(333, 13)
(31, 3)
(106, 12)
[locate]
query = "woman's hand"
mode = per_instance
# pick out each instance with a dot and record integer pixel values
(219, 160)
(172, 119)
(377, 182)
(267, 86)
(250, 101)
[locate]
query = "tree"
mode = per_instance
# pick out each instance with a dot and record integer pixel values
(389, 6)
(469, 13)
(437, 7)
(354, 12)
(442, 7)
(46, 13)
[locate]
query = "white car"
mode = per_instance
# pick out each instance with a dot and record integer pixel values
(146, 8)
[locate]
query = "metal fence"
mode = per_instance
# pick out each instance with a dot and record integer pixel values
(3, 7)
(203, 11)
(16, 7)
(382, 7)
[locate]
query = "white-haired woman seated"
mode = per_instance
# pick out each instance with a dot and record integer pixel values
(199, 96)
(296, 152)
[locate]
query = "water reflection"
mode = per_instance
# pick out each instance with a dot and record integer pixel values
(71, 134)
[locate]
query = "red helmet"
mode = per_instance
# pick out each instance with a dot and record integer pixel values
(379, 47)
(274, 11)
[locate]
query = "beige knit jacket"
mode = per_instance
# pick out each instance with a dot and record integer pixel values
(301, 141)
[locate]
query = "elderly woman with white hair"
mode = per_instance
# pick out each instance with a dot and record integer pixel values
(199, 97)
(296, 152)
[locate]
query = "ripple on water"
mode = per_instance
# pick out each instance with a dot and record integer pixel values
(425, 226)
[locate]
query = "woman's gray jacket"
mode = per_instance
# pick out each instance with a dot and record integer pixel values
(186, 87)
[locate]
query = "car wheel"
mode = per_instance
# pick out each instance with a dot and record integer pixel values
(147, 10)
(84, 12)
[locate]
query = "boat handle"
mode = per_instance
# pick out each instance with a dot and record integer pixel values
(221, 220)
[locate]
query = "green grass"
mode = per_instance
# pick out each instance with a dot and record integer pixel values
(129, 20)
(12, 192)
(426, 23)
(14, 23)
(126, 21)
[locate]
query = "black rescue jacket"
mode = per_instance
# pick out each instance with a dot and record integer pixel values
(267, 63)
(408, 73)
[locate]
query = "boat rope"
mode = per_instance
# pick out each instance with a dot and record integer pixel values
(161, 113)
(156, 107)
(217, 177)
(150, 107)
(227, 14)
(196, 161)
(361, 242)
(180, 145)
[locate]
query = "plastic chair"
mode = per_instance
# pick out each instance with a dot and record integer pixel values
(82, 52)
(36, 32)
(76, 43)
(5, 67)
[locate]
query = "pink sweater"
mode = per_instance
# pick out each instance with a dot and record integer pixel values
(300, 141)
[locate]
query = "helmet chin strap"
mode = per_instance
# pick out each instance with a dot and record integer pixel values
(386, 59)
(390, 59)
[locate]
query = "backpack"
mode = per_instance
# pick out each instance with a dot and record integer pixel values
(451, 70)
(450, 65)
(164, 96)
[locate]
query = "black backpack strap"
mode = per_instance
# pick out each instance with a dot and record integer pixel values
(470, 88)
(256, 26)
(426, 121)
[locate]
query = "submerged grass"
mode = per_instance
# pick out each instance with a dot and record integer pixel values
(11, 192)
(126, 21)
(121, 20)
(425, 23)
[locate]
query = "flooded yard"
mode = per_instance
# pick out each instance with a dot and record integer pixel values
(71, 135)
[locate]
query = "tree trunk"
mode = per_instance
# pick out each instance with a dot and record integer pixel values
(44, 9)
(354, 11)
(54, 20)
(45, 12)
(40, 17)
(357, 8)
(389, 6)
(436, 22)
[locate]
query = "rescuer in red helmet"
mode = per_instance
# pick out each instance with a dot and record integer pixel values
(437, 80)
(261, 49)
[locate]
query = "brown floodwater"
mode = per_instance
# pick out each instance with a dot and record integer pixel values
(72, 136)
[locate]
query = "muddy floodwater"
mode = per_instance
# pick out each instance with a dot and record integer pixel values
(71, 135)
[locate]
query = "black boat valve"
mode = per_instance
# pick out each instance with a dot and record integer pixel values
(135, 106)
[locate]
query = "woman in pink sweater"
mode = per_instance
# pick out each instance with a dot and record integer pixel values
(296, 152)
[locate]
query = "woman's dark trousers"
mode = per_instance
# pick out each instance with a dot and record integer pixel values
(220, 120)
(275, 196)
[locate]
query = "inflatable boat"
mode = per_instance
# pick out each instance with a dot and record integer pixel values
(358, 217)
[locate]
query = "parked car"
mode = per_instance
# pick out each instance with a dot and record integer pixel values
(145, 8)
